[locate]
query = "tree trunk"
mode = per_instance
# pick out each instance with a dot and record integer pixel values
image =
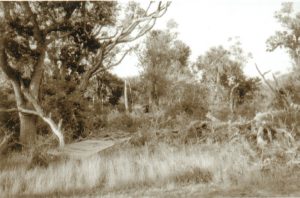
(125, 96)
(28, 129)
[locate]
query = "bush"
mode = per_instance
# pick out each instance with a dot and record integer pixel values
(221, 111)
(123, 121)
(192, 102)
(9, 121)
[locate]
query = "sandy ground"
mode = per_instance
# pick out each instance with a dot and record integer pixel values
(187, 191)
(201, 190)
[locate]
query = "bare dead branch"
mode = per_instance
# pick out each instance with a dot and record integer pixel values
(20, 109)
(113, 41)
(120, 60)
(232, 102)
(125, 96)
(108, 37)
(111, 65)
(275, 80)
(265, 73)
(148, 7)
(140, 34)
(287, 101)
(123, 35)
(9, 110)
(265, 80)
(4, 143)
(97, 30)
(56, 128)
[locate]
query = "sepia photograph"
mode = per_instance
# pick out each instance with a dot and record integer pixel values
(150, 98)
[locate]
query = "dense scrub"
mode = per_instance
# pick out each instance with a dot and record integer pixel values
(202, 123)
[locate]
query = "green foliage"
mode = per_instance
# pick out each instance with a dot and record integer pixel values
(192, 101)
(288, 87)
(122, 121)
(8, 121)
(105, 87)
(288, 38)
(219, 67)
(82, 113)
(69, 50)
(79, 113)
(162, 55)
(221, 71)
(65, 103)
(247, 89)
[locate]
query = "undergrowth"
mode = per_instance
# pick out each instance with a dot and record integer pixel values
(150, 165)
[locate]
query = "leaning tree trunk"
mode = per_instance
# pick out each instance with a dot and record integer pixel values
(28, 128)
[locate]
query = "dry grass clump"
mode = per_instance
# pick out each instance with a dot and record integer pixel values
(194, 175)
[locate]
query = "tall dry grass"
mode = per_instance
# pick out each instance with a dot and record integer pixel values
(148, 165)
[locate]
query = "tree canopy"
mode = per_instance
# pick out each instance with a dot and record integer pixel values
(288, 37)
(163, 59)
(70, 41)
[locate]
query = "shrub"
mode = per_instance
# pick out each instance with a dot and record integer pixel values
(8, 121)
(192, 102)
(122, 121)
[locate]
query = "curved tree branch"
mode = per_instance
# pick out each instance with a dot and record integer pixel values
(5, 142)
(110, 64)
(38, 111)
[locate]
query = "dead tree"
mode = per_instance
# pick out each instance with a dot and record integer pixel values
(232, 99)
(261, 119)
(125, 96)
